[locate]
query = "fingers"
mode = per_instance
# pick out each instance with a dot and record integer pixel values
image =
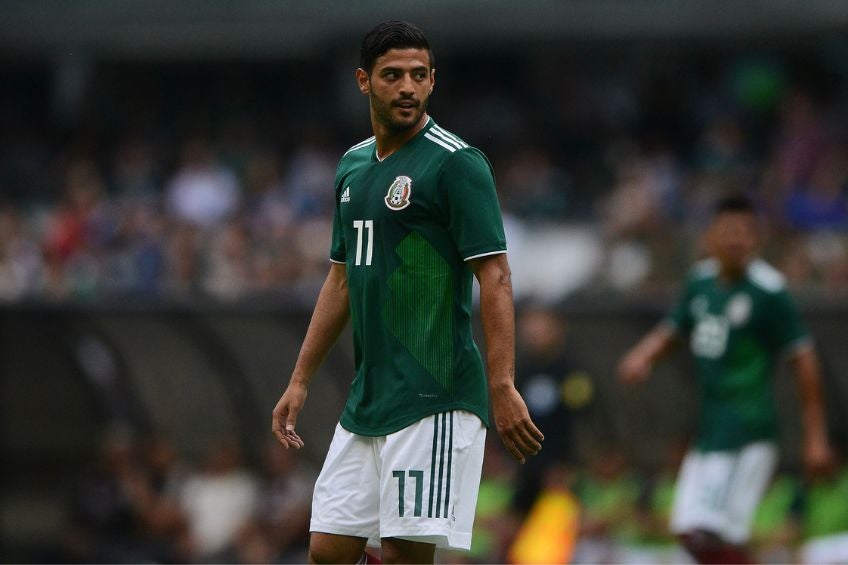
(528, 441)
(293, 439)
(518, 432)
(513, 450)
(522, 439)
(535, 433)
(286, 435)
(633, 369)
(284, 416)
(819, 462)
(629, 373)
(281, 437)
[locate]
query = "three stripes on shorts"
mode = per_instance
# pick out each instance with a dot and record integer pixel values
(441, 462)
(440, 430)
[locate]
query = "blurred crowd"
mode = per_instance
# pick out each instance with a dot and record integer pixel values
(587, 497)
(189, 180)
(143, 502)
(608, 510)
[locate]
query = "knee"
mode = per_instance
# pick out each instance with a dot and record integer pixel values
(403, 551)
(321, 553)
(700, 540)
(325, 549)
(701, 545)
(707, 547)
(394, 553)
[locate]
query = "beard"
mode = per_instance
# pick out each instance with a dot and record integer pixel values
(385, 112)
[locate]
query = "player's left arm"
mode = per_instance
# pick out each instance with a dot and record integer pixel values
(818, 456)
(785, 328)
(512, 419)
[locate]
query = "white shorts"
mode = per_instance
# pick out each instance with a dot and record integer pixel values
(419, 483)
(719, 491)
(825, 550)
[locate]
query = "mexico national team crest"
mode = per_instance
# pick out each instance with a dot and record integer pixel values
(739, 309)
(397, 198)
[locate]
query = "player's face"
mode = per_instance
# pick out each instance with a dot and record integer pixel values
(733, 240)
(398, 87)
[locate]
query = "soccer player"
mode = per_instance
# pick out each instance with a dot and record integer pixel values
(739, 319)
(416, 215)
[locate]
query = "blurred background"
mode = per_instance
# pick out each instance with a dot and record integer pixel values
(166, 173)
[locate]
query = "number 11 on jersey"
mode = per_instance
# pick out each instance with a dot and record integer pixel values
(360, 226)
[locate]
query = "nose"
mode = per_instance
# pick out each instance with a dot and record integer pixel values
(406, 85)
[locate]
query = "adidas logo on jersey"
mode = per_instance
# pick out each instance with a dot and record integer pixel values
(346, 194)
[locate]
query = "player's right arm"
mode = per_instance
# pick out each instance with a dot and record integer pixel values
(636, 365)
(331, 314)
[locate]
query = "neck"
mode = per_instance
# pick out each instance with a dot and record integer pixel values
(732, 274)
(389, 141)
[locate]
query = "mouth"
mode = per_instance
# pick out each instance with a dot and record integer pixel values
(406, 104)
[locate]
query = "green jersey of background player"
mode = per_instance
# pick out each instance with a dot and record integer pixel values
(738, 319)
(416, 217)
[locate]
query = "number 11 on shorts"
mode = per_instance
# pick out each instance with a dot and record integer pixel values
(419, 490)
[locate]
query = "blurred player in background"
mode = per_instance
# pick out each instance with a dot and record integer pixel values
(546, 378)
(739, 319)
(416, 215)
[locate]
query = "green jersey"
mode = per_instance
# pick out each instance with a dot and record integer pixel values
(405, 228)
(736, 333)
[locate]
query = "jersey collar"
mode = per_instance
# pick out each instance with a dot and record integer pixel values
(430, 123)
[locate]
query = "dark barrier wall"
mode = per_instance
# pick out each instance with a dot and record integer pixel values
(199, 374)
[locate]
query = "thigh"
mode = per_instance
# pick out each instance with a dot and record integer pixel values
(430, 477)
(753, 469)
(719, 491)
(701, 487)
(346, 498)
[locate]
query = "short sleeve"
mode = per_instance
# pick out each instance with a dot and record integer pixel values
(680, 318)
(467, 185)
(338, 251)
(784, 327)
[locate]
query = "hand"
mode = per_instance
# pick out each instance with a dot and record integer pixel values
(512, 420)
(284, 417)
(634, 367)
(818, 456)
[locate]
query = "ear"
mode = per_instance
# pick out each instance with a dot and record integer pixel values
(363, 81)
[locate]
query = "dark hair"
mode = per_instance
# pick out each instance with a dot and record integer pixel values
(735, 203)
(391, 35)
